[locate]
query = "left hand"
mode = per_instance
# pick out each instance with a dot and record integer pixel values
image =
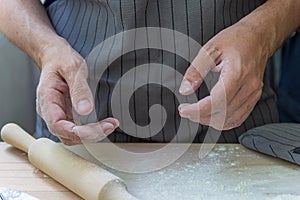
(238, 53)
(63, 90)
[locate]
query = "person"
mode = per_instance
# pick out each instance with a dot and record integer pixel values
(239, 36)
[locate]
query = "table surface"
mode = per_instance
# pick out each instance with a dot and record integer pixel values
(230, 171)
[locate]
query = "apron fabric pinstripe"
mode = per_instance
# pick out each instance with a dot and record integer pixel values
(86, 23)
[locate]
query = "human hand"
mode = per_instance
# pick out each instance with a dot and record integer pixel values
(240, 55)
(62, 87)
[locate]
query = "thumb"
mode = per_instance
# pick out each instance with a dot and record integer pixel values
(80, 93)
(197, 71)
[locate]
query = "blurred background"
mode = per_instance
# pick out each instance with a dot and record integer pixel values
(18, 81)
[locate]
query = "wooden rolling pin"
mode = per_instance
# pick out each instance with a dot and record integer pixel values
(79, 175)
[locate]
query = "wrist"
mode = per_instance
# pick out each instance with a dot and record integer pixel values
(48, 49)
(263, 38)
(273, 22)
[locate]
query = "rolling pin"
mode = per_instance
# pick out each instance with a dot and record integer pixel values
(82, 177)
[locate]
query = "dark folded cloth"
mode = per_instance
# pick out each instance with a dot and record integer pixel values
(48, 3)
(278, 140)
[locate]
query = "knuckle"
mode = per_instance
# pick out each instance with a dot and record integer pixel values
(258, 96)
(238, 123)
(67, 70)
(250, 106)
(231, 123)
(38, 110)
(65, 142)
(257, 84)
(201, 120)
(51, 129)
(77, 63)
(211, 50)
(52, 123)
(74, 66)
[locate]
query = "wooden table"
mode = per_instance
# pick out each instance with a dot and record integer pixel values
(228, 172)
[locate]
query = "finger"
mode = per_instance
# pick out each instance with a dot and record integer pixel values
(50, 86)
(201, 65)
(240, 98)
(58, 126)
(64, 130)
(53, 107)
(246, 92)
(76, 78)
(222, 93)
(69, 108)
(95, 132)
(192, 112)
(223, 121)
(55, 119)
(243, 112)
(69, 142)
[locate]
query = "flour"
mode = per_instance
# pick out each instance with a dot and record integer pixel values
(286, 196)
(228, 172)
(221, 148)
(36, 171)
(221, 175)
(11, 194)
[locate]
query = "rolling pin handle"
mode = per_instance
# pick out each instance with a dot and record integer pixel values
(115, 190)
(16, 136)
(66, 167)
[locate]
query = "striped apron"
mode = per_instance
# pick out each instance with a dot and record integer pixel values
(86, 23)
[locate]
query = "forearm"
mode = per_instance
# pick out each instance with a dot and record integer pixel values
(25, 23)
(273, 22)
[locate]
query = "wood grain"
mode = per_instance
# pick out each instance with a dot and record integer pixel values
(231, 172)
(16, 172)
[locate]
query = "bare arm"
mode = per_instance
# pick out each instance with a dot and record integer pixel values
(25, 23)
(63, 82)
(274, 21)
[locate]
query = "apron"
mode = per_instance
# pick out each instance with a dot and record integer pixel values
(87, 23)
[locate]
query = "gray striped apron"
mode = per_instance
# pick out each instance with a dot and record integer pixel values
(86, 23)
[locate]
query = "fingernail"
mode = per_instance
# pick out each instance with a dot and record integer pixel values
(184, 112)
(117, 124)
(182, 106)
(185, 87)
(107, 127)
(83, 107)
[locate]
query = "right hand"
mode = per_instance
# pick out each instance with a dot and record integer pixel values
(63, 87)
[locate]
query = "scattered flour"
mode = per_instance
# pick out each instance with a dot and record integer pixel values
(220, 175)
(286, 197)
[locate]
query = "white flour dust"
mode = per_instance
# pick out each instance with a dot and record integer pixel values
(219, 176)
